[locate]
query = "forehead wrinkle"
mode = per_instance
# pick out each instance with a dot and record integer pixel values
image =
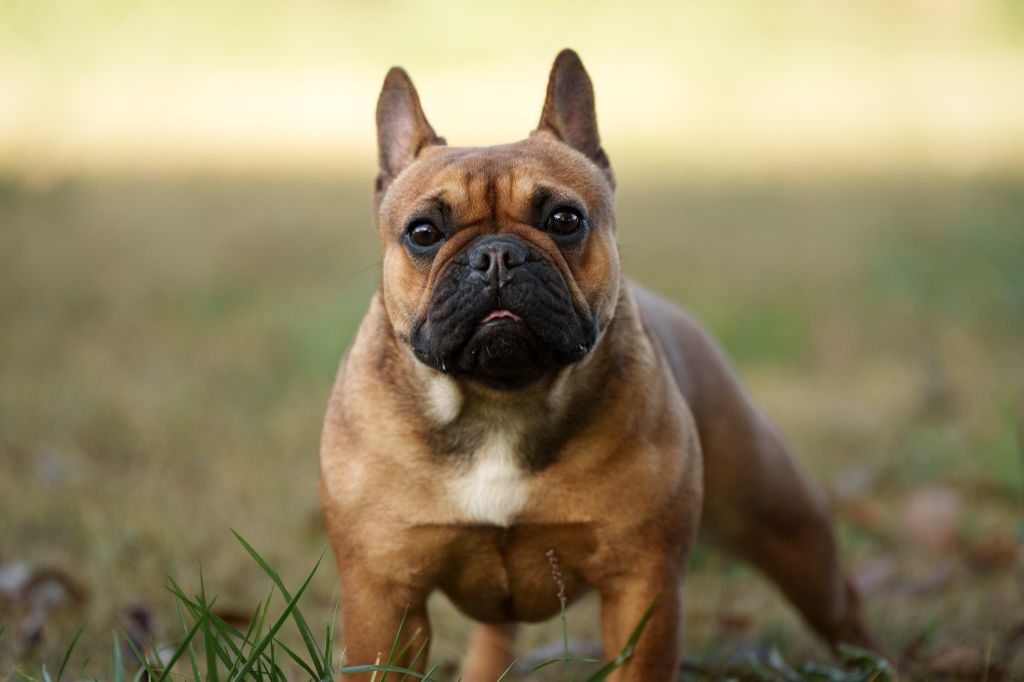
(448, 198)
(507, 197)
(477, 204)
(488, 185)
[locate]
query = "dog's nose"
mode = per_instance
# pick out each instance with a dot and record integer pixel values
(493, 257)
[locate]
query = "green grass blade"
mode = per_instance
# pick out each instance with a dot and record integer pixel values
(329, 644)
(46, 674)
(224, 632)
(118, 662)
(263, 616)
(354, 669)
(250, 632)
(262, 671)
(191, 649)
(275, 669)
(178, 652)
(394, 643)
(307, 634)
(627, 650)
(419, 652)
(212, 673)
(298, 660)
(67, 654)
(195, 609)
(139, 655)
(269, 637)
(209, 646)
(544, 664)
(563, 659)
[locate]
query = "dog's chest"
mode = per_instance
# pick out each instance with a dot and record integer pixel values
(492, 486)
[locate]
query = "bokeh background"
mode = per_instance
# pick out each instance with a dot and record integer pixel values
(187, 245)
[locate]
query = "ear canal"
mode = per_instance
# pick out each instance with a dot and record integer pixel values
(569, 111)
(402, 128)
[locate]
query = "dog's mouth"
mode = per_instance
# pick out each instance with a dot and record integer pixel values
(501, 314)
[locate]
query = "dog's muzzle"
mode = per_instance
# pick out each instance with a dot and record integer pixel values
(501, 313)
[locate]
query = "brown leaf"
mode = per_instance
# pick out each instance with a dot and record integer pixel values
(997, 550)
(35, 592)
(235, 617)
(737, 622)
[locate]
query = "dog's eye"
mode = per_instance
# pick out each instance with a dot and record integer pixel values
(424, 234)
(564, 222)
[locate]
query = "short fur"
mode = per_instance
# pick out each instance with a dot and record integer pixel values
(604, 425)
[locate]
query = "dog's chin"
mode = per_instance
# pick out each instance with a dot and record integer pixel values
(505, 354)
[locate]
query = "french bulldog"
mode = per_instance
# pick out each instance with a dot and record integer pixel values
(510, 398)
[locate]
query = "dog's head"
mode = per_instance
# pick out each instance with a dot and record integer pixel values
(499, 263)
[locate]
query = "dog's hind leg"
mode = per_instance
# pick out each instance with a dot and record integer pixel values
(757, 501)
(490, 652)
(763, 508)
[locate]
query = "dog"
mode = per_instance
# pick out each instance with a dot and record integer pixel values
(509, 394)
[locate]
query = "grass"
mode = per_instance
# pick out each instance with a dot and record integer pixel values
(167, 345)
(258, 653)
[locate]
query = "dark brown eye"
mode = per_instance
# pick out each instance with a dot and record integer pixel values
(425, 234)
(564, 222)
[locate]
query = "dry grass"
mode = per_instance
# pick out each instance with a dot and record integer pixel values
(167, 346)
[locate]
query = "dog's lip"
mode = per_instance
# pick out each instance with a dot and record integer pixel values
(501, 314)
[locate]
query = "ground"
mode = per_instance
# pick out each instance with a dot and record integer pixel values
(167, 345)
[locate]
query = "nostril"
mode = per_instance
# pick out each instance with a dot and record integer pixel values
(481, 261)
(513, 258)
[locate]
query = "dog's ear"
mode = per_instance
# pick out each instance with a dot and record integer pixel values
(402, 129)
(569, 112)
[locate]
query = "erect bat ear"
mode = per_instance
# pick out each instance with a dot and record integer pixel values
(569, 111)
(402, 129)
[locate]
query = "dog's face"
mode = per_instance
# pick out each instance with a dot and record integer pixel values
(499, 263)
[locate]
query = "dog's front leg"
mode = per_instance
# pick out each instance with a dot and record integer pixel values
(372, 610)
(657, 654)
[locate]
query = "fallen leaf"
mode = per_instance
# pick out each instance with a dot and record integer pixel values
(998, 550)
(36, 591)
(737, 622)
(235, 617)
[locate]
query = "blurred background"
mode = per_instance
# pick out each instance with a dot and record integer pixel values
(187, 245)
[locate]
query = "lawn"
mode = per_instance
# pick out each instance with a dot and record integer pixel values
(167, 345)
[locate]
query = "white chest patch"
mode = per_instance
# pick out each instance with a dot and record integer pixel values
(493, 488)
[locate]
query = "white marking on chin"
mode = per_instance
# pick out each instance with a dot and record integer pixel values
(493, 489)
